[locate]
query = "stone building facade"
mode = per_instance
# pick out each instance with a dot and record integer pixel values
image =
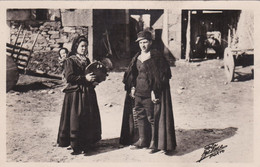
(56, 28)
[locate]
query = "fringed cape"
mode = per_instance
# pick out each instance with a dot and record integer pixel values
(159, 74)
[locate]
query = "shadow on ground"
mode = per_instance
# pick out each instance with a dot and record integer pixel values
(194, 139)
(240, 76)
(38, 85)
(187, 141)
(198, 60)
(105, 145)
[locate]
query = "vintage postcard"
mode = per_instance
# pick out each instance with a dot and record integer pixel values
(172, 83)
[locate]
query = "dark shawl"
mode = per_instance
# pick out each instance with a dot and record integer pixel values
(159, 75)
(80, 123)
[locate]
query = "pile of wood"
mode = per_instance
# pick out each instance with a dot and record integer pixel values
(45, 62)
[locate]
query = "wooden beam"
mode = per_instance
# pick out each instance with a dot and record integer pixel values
(127, 33)
(165, 34)
(90, 38)
(187, 53)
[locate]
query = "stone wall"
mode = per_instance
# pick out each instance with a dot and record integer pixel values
(51, 35)
(171, 31)
(174, 32)
(63, 26)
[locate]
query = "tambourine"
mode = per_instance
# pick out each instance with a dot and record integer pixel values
(98, 69)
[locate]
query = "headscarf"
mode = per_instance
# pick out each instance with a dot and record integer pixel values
(76, 43)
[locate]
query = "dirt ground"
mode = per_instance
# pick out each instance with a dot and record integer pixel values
(206, 110)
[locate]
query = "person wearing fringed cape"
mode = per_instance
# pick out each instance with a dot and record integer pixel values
(148, 116)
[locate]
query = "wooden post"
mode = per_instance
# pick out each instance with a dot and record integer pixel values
(127, 34)
(15, 42)
(229, 38)
(19, 30)
(34, 42)
(90, 38)
(22, 40)
(17, 57)
(165, 35)
(187, 54)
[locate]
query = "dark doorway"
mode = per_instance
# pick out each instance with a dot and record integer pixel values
(141, 19)
(115, 32)
(209, 31)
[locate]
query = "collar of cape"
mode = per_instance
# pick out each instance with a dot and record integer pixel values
(144, 56)
(81, 61)
(153, 54)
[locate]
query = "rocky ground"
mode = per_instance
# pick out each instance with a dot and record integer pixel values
(206, 110)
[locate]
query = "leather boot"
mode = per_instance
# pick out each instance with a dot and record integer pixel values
(142, 141)
(152, 143)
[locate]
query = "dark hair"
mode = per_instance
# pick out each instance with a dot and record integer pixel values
(76, 43)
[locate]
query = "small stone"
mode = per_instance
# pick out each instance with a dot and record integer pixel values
(39, 71)
(235, 80)
(54, 45)
(63, 39)
(69, 29)
(44, 91)
(179, 91)
(51, 92)
(47, 49)
(181, 87)
(56, 49)
(53, 32)
(38, 48)
(225, 83)
(55, 36)
(45, 29)
(52, 41)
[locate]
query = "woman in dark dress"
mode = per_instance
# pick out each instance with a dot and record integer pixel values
(148, 116)
(80, 124)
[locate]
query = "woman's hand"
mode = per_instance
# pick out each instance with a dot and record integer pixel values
(132, 93)
(154, 99)
(90, 77)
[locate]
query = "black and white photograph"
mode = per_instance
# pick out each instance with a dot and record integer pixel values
(122, 82)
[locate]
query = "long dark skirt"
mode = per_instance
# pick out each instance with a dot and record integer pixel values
(80, 124)
(164, 122)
